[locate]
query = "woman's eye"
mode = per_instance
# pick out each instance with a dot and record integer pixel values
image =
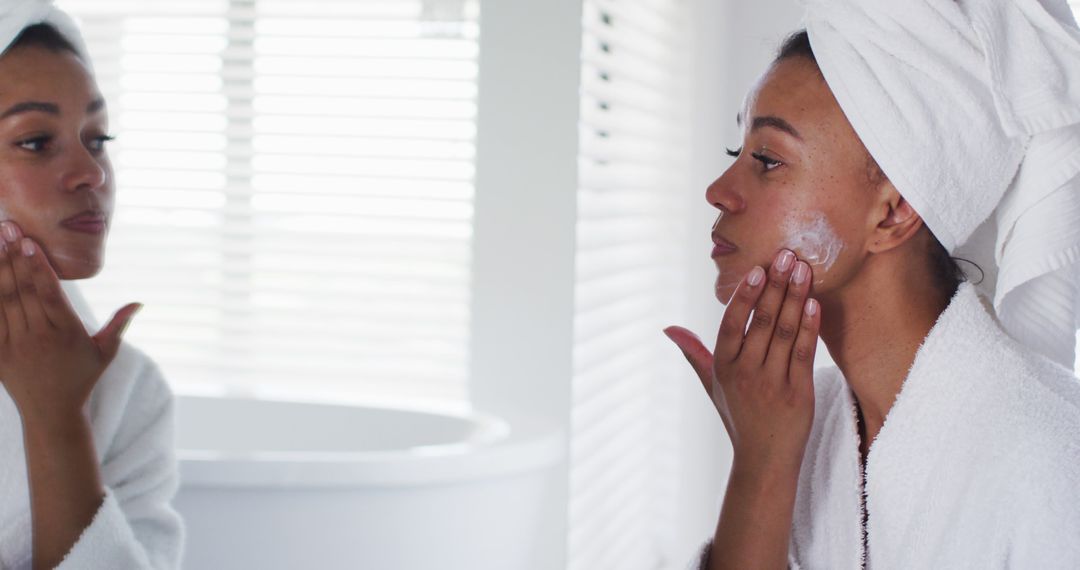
(36, 144)
(97, 144)
(734, 153)
(767, 162)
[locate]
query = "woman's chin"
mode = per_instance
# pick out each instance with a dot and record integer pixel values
(724, 289)
(75, 275)
(75, 268)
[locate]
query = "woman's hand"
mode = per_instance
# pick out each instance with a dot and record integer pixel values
(762, 381)
(49, 363)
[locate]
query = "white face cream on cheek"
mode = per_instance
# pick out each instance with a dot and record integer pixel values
(813, 240)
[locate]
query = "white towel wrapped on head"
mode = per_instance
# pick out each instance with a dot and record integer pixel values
(17, 15)
(972, 109)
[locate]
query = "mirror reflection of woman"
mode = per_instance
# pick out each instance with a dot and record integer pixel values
(948, 433)
(85, 421)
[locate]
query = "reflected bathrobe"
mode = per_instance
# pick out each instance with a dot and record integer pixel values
(976, 466)
(131, 415)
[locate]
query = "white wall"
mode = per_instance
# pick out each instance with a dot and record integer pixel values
(525, 216)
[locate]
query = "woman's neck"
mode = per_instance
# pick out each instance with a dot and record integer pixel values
(873, 329)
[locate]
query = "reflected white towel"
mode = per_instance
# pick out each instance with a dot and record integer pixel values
(971, 108)
(16, 15)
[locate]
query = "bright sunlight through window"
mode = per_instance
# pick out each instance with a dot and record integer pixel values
(295, 183)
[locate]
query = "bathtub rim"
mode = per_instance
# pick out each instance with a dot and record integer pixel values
(503, 448)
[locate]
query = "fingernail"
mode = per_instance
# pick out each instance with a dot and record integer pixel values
(9, 232)
(757, 275)
(811, 307)
(28, 248)
(783, 262)
(801, 269)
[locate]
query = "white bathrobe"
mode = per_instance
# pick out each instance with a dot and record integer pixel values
(977, 465)
(131, 414)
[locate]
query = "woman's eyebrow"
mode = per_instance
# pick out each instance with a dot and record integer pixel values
(29, 106)
(50, 108)
(776, 123)
(770, 121)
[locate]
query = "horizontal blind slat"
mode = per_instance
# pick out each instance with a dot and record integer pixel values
(633, 144)
(292, 176)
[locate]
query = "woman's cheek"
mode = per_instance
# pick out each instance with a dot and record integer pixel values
(813, 240)
(6, 211)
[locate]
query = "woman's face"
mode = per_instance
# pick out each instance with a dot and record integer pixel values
(802, 181)
(56, 181)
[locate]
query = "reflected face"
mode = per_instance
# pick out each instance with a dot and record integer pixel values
(56, 181)
(801, 181)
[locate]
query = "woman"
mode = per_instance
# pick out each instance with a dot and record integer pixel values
(85, 422)
(938, 440)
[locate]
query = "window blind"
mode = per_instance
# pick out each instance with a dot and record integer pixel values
(295, 183)
(634, 132)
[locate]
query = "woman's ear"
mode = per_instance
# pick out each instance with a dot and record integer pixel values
(896, 221)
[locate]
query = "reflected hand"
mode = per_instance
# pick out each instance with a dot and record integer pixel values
(49, 363)
(761, 380)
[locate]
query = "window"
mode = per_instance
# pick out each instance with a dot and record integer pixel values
(634, 149)
(295, 183)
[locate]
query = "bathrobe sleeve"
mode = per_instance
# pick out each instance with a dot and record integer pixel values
(132, 418)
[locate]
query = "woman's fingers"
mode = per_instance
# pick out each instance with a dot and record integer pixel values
(767, 310)
(13, 282)
(54, 303)
(729, 340)
(21, 261)
(14, 319)
(696, 354)
(39, 293)
(109, 337)
(788, 320)
(3, 313)
(801, 366)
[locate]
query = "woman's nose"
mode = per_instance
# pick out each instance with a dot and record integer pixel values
(85, 172)
(721, 194)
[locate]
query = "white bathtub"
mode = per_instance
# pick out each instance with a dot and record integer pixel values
(280, 485)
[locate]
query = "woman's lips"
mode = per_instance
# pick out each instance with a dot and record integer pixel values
(722, 246)
(89, 222)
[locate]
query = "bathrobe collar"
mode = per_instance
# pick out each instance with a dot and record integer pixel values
(902, 472)
(924, 412)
